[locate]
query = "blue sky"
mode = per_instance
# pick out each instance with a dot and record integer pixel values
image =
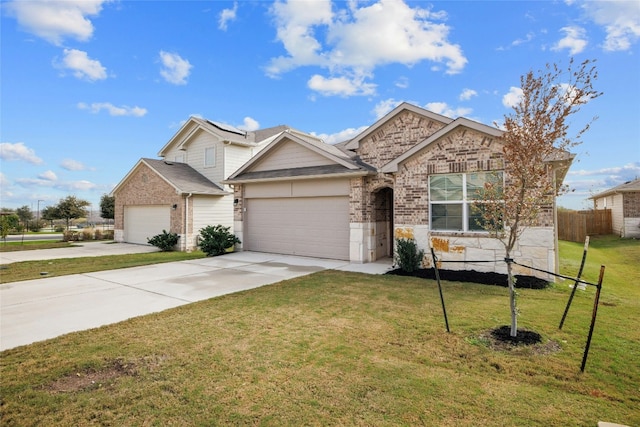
(89, 87)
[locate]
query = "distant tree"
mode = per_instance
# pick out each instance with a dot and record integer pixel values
(536, 132)
(107, 206)
(25, 215)
(8, 221)
(49, 213)
(68, 208)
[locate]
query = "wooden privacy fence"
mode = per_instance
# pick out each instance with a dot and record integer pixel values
(574, 226)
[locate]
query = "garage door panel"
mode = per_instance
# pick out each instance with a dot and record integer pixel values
(143, 222)
(317, 226)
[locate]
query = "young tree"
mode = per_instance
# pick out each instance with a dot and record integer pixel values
(8, 221)
(536, 135)
(107, 206)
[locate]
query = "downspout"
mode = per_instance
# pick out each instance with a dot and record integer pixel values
(186, 223)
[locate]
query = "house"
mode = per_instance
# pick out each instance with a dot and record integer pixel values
(182, 191)
(408, 175)
(624, 202)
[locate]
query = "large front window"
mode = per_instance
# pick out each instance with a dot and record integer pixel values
(452, 196)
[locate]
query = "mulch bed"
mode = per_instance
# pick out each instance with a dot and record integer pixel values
(485, 278)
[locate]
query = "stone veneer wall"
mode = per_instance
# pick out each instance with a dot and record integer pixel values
(535, 248)
(145, 187)
(238, 213)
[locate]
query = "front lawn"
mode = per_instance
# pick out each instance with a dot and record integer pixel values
(337, 348)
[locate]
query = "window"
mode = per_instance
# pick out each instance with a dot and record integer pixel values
(210, 156)
(452, 196)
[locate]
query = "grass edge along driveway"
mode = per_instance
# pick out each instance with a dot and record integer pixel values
(345, 349)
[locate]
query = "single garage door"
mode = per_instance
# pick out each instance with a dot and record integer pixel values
(305, 226)
(143, 222)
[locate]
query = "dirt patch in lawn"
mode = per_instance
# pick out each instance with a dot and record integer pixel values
(94, 378)
(485, 278)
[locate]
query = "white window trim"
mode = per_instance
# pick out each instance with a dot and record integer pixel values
(213, 162)
(466, 203)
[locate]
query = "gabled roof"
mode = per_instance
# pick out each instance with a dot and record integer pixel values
(181, 176)
(392, 166)
(627, 187)
(221, 131)
(342, 163)
(405, 106)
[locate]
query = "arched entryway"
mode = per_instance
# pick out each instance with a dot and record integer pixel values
(383, 222)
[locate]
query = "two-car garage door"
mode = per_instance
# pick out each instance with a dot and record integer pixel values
(303, 219)
(143, 222)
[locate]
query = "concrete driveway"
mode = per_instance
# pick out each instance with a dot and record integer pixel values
(40, 309)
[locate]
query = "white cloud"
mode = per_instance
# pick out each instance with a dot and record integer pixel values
(358, 39)
(620, 19)
(402, 82)
(67, 186)
(4, 181)
(18, 151)
(575, 40)
(342, 86)
(444, 109)
(72, 165)
(175, 69)
(513, 97)
(627, 172)
(56, 20)
(124, 110)
(249, 124)
(385, 106)
(341, 136)
(467, 94)
(48, 176)
(226, 16)
(82, 66)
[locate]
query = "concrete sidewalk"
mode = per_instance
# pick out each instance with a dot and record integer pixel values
(80, 249)
(40, 309)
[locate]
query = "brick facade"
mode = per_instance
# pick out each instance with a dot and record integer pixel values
(145, 187)
(395, 137)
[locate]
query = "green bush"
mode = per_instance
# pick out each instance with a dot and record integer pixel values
(408, 257)
(165, 241)
(216, 239)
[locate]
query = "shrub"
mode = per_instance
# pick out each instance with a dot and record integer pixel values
(98, 235)
(216, 239)
(408, 257)
(165, 241)
(70, 236)
(87, 235)
(108, 235)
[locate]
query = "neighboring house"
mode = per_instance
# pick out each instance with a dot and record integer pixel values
(182, 192)
(624, 203)
(409, 175)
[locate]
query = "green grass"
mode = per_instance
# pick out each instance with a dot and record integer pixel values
(29, 245)
(337, 348)
(27, 270)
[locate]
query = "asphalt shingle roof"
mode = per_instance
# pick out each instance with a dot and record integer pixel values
(185, 178)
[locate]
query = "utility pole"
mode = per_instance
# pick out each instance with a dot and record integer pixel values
(38, 213)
